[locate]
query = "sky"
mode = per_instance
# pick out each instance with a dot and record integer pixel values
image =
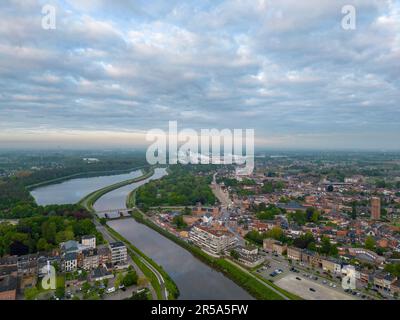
(112, 70)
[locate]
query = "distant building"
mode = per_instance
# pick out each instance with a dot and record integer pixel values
(294, 253)
(331, 265)
(375, 208)
(274, 246)
(384, 281)
(366, 255)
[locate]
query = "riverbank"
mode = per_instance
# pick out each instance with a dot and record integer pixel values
(89, 200)
(259, 290)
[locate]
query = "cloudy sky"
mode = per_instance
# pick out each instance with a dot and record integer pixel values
(111, 70)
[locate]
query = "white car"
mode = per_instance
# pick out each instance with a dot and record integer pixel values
(110, 290)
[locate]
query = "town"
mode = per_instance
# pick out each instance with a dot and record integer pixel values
(323, 226)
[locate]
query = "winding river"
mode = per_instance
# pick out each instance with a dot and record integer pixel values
(194, 279)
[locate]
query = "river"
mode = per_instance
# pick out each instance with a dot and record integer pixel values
(71, 191)
(194, 279)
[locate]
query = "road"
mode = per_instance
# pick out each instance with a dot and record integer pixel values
(226, 204)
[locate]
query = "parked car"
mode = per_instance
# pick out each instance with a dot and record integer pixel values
(297, 278)
(110, 290)
(312, 289)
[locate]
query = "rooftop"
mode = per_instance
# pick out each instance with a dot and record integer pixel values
(117, 244)
(8, 283)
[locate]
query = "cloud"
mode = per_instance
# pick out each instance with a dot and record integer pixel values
(285, 68)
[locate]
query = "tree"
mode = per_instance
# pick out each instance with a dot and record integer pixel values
(370, 243)
(42, 245)
(234, 254)
(60, 292)
(325, 245)
(178, 221)
(31, 293)
(130, 279)
(304, 241)
(49, 230)
(275, 233)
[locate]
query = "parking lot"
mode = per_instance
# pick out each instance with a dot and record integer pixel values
(304, 283)
(319, 291)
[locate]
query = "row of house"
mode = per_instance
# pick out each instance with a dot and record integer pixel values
(20, 272)
(87, 256)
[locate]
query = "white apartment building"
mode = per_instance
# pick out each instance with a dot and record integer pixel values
(212, 240)
(119, 253)
(89, 241)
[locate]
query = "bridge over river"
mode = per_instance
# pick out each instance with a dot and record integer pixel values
(114, 213)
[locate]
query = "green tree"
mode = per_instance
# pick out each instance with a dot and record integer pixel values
(130, 279)
(49, 230)
(31, 293)
(234, 254)
(42, 245)
(370, 243)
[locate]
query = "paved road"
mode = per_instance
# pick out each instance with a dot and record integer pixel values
(226, 203)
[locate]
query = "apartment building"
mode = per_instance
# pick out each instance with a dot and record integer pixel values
(294, 253)
(70, 261)
(384, 281)
(90, 259)
(274, 246)
(89, 241)
(211, 239)
(119, 253)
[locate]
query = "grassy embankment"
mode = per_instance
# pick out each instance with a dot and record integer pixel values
(89, 200)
